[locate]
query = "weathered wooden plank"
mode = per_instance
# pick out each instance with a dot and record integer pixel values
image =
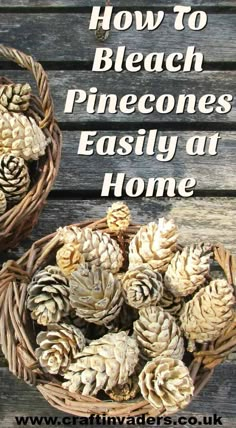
(66, 37)
(115, 3)
(207, 82)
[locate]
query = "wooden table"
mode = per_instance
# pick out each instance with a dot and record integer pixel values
(56, 33)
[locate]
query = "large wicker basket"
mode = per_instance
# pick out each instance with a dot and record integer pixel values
(18, 338)
(18, 222)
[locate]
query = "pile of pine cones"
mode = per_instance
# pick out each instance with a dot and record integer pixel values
(21, 142)
(124, 332)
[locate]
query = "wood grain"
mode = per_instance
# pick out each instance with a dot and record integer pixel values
(115, 3)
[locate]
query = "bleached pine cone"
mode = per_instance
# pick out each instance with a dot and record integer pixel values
(21, 136)
(171, 303)
(14, 177)
(154, 244)
(142, 286)
(96, 295)
(118, 217)
(158, 334)
(59, 346)
(48, 296)
(166, 383)
(209, 312)
(15, 97)
(69, 258)
(188, 269)
(3, 202)
(98, 248)
(103, 364)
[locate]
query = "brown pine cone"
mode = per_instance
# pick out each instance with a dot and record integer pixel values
(14, 177)
(15, 97)
(69, 258)
(118, 217)
(125, 392)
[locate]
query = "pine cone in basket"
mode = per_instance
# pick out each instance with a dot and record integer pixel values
(14, 177)
(15, 97)
(188, 269)
(69, 258)
(3, 202)
(105, 363)
(98, 248)
(154, 244)
(171, 303)
(166, 383)
(118, 217)
(21, 136)
(59, 346)
(158, 334)
(209, 312)
(48, 296)
(142, 286)
(96, 295)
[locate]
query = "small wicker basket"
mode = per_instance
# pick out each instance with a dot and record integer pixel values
(17, 335)
(18, 222)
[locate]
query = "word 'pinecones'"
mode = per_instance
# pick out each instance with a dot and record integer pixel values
(15, 97)
(69, 258)
(59, 346)
(142, 286)
(188, 269)
(105, 363)
(166, 384)
(158, 334)
(118, 217)
(48, 296)
(3, 202)
(96, 295)
(154, 244)
(14, 177)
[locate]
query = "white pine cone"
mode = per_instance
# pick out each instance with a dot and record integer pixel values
(166, 383)
(96, 295)
(209, 312)
(142, 286)
(105, 363)
(14, 177)
(3, 202)
(98, 248)
(158, 334)
(48, 296)
(188, 269)
(21, 136)
(69, 258)
(154, 244)
(171, 303)
(118, 217)
(59, 346)
(15, 97)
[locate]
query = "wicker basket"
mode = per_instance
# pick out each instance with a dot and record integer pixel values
(18, 339)
(18, 222)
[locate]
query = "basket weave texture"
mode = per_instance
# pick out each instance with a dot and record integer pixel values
(17, 223)
(17, 335)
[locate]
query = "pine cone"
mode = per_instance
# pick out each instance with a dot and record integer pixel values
(69, 258)
(188, 269)
(105, 363)
(3, 202)
(14, 177)
(21, 136)
(158, 334)
(171, 303)
(48, 296)
(154, 244)
(205, 316)
(96, 295)
(142, 286)
(59, 347)
(98, 248)
(166, 383)
(118, 217)
(15, 97)
(125, 392)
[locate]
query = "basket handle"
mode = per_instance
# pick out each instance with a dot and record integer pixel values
(27, 62)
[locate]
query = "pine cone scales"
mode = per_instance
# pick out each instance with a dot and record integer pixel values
(171, 303)
(14, 177)
(96, 295)
(59, 346)
(98, 249)
(166, 384)
(3, 202)
(48, 296)
(154, 244)
(69, 258)
(15, 97)
(142, 286)
(205, 316)
(158, 334)
(188, 269)
(105, 363)
(21, 136)
(118, 217)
